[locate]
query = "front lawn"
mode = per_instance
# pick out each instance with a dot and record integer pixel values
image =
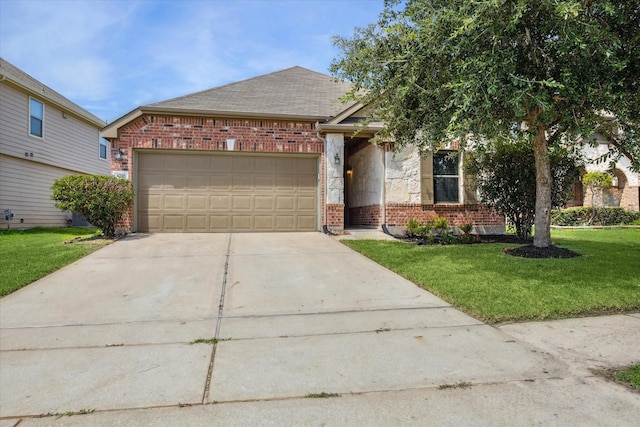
(495, 287)
(28, 255)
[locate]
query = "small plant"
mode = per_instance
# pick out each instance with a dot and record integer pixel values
(441, 224)
(322, 395)
(416, 229)
(466, 228)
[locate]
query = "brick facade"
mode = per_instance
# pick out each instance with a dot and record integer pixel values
(478, 214)
(366, 216)
(335, 216)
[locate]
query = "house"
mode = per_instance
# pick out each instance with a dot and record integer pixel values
(43, 136)
(279, 152)
(625, 192)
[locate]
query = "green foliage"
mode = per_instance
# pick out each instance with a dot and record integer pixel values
(416, 229)
(484, 282)
(102, 200)
(437, 71)
(591, 216)
(506, 178)
(630, 375)
(466, 228)
(597, 180)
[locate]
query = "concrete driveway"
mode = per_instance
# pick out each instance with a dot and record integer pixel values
(294, 316)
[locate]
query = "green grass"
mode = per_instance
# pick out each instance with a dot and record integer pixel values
(630, 376)
(495, 287)
(28, 255)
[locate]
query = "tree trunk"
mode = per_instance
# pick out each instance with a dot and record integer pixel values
(542, 234)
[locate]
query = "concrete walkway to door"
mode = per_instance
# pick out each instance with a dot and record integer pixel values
(295, 316)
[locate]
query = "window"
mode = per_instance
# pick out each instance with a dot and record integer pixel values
(103, 148)
(445, 177)
(36, 120)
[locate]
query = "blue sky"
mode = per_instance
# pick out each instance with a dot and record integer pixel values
(110, 57)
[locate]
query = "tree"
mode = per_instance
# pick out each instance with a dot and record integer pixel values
(545, 70)
(506, 178)
(102, 200)
(597, 181)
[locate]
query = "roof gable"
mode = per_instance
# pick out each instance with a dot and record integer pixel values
(19, 78)
(296, 92)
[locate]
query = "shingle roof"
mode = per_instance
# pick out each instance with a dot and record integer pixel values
(20, 78)
(296, 92)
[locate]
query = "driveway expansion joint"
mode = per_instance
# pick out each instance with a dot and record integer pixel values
(207, 386)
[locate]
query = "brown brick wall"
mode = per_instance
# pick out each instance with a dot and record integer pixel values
(399, 214)
(335, 216)
(367, 216)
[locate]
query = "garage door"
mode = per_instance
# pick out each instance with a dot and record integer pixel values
(200, 192)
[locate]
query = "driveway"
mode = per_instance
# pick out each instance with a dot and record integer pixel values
(294, 316)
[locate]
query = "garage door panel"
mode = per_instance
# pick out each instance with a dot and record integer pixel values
(243, 164)
(263, 223)
(241, 223)
(219, 222)
(306, 222)
(306, 184)
(173, 201)
(223, 192)
(197, 202)
(197, 223)
(285, 203)
(174, 182)
(264, 183)
(264, 165)
(263, 203)
(285, 223)
(306, 204)
(286, 166)
(286, 184)
(242, 183)
(221, 183)
(173, 222)
(200, 164)
(241, 203)
(306, 167)
(220, 203)
(198, 182)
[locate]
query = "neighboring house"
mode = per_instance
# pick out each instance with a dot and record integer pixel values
(279, 152)
(43, 136)
(625, 192)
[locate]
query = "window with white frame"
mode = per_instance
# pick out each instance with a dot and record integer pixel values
(445, 177)
(103, 148)
(36, 118)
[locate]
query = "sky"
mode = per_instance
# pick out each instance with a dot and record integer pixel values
(110, 57)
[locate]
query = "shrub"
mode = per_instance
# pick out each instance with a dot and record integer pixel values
(102, 200)
(506, 178)
(593, 216)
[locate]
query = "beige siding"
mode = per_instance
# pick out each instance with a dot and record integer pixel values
(68, 141)
(25, 188)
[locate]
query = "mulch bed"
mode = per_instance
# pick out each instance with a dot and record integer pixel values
(530, 251)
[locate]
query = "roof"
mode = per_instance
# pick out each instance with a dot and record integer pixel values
(296, 92)
(21, 79)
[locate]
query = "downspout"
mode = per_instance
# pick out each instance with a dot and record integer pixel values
(325, 229)
(384, 192)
